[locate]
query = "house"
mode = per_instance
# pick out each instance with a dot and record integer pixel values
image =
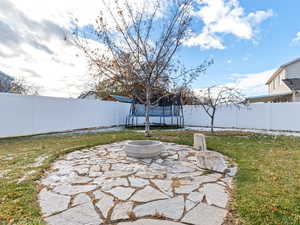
(283, 85)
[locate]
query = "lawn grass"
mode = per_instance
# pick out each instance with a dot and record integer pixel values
(267, 185)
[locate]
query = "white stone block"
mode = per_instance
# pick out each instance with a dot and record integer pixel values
(212, 161)
(199, 142)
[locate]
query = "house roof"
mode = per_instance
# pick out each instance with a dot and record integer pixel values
(262, 98)
(122, 98)
(293, 83)
(281, 68)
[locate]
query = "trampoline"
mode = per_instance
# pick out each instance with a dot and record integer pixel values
(168, 111)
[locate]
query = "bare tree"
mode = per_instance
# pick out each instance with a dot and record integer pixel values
(212, 98)
(138, 43)
(18, 86)
(182, 78)
(178, 80)
(112, 86)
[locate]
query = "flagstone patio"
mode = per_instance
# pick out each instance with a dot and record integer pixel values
(101, 185)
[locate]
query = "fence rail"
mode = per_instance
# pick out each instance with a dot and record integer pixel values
(27, 115)
(266, 116)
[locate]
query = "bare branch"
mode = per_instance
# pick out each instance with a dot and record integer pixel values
(214, 97)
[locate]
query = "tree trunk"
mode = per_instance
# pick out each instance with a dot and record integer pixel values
(147, 111)
(212, 122)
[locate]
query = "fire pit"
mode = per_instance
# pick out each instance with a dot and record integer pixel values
(143, 149)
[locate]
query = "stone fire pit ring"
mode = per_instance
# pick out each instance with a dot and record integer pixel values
(142, 149)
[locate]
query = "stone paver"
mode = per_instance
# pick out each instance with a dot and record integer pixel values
(165, 186)
(122, 211)
(205, 215)
(138, 182)
(79, 215)
(98, 194)
(122, 193)
(151, 222)
(170, 208)
(101, 185)
(189, 204)
(195, 196)
(148, 194)
(212, 161)
(186, 189)
(108, 184)
(81, 199)
(105, 204)
(67, 189)
(51, 203)
(216, 195)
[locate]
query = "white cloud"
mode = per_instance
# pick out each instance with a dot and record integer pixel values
(252, 84)
(33, 42)
(33, 45)
(229, 61)
(224, 17)
(297, 38)
(205, 39)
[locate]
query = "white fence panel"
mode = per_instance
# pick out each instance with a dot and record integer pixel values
(255, 116)
(16, 115)
(285, 116)
(195, 116)
(27, 115)
(226, 117)
(267, 116)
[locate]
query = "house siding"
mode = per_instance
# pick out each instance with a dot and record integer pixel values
(293, 70)
(277, 86)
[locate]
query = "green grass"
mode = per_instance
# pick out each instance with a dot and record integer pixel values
(267, 186)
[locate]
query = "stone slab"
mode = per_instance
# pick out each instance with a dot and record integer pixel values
(170, 208)
(148, 194)
(67, 189)
(212, 161)
(122, 193)
(204, 214)
(122, 211)
(52, 203)
(79, 215)
(186, 189)
(216, 195)
(81, 199)
(105, 203)
(138, 182)
(165, 186)
(151, 222)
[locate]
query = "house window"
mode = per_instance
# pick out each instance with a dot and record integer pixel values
(279, 80)
(274, 84)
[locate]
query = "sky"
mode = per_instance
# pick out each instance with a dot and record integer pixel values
(247, 39)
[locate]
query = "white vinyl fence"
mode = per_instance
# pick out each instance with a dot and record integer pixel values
(27, 115)
(267, 116)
